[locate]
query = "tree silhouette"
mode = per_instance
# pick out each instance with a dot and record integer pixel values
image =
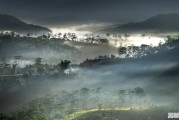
(122, 50)
(140, 93)
(38, 64)
(126, 36)
(64, 64)
(84, 92)
(121, 95)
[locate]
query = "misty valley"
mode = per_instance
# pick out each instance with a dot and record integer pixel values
(67, 77)
(89, 59)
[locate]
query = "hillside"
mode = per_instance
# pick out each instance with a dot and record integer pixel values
(159, 23)
(11, 23)
(125, 115)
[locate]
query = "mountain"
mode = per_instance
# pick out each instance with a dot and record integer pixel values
(159, 23)
(62, 20)
(11, 23)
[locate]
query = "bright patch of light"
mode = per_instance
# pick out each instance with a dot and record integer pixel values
(137, 40)
(69, 30)
(72, 29)
(79, 30)
(71, 70)
(149, 40)
(81, 112)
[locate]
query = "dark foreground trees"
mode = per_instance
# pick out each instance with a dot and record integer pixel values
(66, 102)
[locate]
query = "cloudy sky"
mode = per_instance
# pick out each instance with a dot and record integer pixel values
(96, 10)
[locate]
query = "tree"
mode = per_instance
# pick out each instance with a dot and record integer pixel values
(28, 34)
(48, 36)
(5, 117)
(119, 36)
(103, 41)
(114, 35)
(64, 64)
(121, 95)
(98, 94)
(38, 61)
(126, 36)
(84, 92)
(99, 107)
(113, 56)
(122, 50)
(38, 64)
(3, 65)
(140, 93)
(65, 36)
(44, 36)
(143, 35)
(131, 93)
(12, 34)
(59, 35)
(14, 68)
(108, 34)
(73, 37)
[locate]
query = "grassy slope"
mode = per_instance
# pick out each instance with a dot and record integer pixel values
(121, 114)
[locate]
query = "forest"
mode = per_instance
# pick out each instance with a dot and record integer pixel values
(76, 103)
(89, 59)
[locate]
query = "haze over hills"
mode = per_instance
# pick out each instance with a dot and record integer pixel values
(11, 23)
(158, 23)
(61, 21)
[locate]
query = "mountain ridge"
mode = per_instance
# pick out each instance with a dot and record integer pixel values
(158, 23)
(11, 23)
